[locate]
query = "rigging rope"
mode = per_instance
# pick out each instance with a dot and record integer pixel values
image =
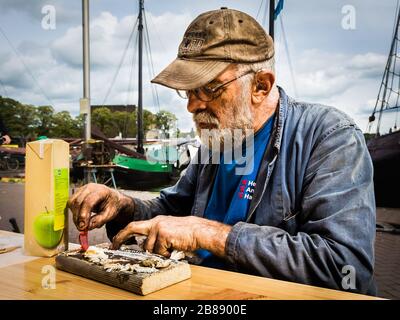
(130, 91)
(120, 63)
(153, 93)
(292, 74)
(156, 32)
(4, 88)
(264, 16)
(148, 65)
(282, 34)
(264, 19)
(132, 67)
(156, 99)
(259, 9)
(147, 46)
(386, 88)
(26, 67)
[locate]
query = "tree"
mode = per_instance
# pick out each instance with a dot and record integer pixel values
(44, 120)
(165, 120)
(112, 123)
(20, 119)
(64, 126)
(103, 119)
(125, 123)
(149, 120)
(25, 121)
(29, 122)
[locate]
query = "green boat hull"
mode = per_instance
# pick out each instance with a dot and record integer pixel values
(138, 174)
(141, 165)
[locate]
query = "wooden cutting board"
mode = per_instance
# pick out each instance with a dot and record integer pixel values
(127, 268)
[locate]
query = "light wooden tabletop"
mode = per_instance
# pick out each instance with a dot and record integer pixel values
(27, 280)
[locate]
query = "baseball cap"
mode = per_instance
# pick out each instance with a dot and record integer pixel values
(213, 41)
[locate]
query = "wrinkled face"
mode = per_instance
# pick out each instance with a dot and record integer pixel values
(219, 120)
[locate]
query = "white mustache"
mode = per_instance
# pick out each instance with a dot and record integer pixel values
(205, 117)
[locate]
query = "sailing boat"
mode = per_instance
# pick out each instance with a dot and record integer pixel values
(141, 172)
(134, 169)
(385, 148)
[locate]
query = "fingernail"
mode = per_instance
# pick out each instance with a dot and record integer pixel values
(116, 245)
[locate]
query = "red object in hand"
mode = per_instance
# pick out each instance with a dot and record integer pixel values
(83, 239)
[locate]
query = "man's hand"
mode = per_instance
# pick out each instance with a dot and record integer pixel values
(167, 233)
(6, 139)
(95, 198)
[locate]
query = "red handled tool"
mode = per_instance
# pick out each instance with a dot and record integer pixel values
(84, 241)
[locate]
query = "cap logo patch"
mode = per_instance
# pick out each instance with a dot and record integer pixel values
(192, 42)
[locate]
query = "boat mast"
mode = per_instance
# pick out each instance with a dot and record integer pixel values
(85, 101)
(387, 80)
(388, 65)
(86, 67)
(140, 133)
(271, 18)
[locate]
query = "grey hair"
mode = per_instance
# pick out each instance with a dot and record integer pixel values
(267, 64)
(243, 67)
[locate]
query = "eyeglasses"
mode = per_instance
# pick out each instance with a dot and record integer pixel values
(209, 93)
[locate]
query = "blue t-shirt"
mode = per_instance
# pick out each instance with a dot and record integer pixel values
(232, 192)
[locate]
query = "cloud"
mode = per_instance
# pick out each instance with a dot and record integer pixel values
(106, 45)
(57, 66)
(321, 75)
(349, 81)
(109, 37)
(33, 9)
(21, 71)
(22, 6)
(68, 49)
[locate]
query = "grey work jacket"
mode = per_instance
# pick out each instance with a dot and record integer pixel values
(312, 216)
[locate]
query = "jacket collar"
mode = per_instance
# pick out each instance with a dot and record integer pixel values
(271, 153)
(208, 171)
(280, 120)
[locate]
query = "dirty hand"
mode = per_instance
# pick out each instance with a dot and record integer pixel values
(104, 202)
(167, 233)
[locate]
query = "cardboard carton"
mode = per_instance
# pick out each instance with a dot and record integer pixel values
(46, 196)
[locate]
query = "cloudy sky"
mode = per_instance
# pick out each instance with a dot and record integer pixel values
(334, 65)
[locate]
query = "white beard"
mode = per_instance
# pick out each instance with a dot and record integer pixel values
(239, 126)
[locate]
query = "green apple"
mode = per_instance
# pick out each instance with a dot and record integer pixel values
(43, 230)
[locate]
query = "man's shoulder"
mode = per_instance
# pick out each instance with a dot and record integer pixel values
(320, 112)
(319, 118)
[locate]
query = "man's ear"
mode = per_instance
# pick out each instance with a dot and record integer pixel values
(263, 82)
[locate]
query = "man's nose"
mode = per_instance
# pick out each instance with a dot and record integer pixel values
(195, 104)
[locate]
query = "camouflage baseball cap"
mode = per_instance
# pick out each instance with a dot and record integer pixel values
(213, 41)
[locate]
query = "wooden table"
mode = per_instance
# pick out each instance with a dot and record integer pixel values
(24, 281)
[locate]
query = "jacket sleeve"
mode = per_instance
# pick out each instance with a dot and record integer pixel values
(337, 223)
(176, 200)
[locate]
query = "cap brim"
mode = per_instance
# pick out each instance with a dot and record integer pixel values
(188, 74)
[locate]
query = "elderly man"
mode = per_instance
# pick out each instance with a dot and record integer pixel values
(305, 210)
